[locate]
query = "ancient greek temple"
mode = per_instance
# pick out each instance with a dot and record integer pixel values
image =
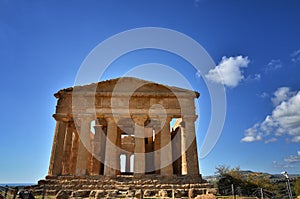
(125, 126)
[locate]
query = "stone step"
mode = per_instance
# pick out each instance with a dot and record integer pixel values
(120, 186)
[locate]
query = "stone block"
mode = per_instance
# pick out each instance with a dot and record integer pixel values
(139, 194)
(191, 193)
(112, 193)
(206, 196)
(100, 194)
(63, 194)
(163, 193)
(130, 193)
(149, 193)
(81, 193)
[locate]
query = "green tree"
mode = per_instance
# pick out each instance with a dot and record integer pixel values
(297, 186)
(221, 170)
(246, 182)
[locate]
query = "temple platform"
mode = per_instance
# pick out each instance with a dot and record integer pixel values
(122, 186)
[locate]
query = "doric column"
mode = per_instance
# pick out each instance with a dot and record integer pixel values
(183, 150)
(118, 164)
(139, 146)
(97, 155)
(111, 150)
(55, 167)
(191, 145)
(176, 151)
(84, 148)
(157, 144)
(127, 166)
(67, 149)
(74, 153)
(150, 167)
(166, 150)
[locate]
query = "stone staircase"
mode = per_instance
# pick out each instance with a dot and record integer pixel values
(122, 186)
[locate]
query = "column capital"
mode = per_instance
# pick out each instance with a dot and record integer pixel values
(62, 117)
(101, 121)
(165, 121)
(168, 119)
(111, 119)
(139, 119)
(98, 127)
(80, 119)
(162, 119)
(71, 124)
(191, 118)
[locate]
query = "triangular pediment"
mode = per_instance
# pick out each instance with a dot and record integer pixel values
(129, 85)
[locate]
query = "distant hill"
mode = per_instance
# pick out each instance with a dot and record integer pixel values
(248, 173)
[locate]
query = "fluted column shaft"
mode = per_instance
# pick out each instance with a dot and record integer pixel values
(74, 153)
(84, 148)
(111, 150)
(55, 167)
(191, 145)
(176, 151)
(149, 147)
(97, 155)
(127, 166)
(166, 150)
(157, 145)
(118, 147)
(139, 147)
(67, 149)
(183, 149)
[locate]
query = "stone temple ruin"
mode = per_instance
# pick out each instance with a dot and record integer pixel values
(113, 139)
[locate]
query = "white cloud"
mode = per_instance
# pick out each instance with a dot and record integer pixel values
(264, 95)
(296, 139)
(295, 56)
(284, 120)
(271, 140)
(293, 158)
(228, 71)
(282, 94)
(274, 64)
(282, 165)
(252, 134)
(257, 76)
(254, 77)
(250, 138)
(289, 162)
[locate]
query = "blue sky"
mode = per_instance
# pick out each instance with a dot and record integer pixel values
(255, 44)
